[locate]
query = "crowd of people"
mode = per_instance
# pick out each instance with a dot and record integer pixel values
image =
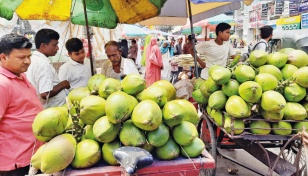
(29, 82)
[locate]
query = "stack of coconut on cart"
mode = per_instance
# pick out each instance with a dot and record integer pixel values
(264, 95)
(109, 114)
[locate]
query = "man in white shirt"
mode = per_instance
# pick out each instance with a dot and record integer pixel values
(266, 33)
(42, 75)
(217, 51)
(77, 69)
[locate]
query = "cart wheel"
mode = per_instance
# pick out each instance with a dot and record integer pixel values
(208, 136)
(295, 154)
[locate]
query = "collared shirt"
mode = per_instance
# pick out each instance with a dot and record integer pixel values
(18, 107)
(75, 73)
(127, 67)
(43, 76)
(133, 50)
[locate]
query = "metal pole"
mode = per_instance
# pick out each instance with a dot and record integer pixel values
(193, 40)
(88, 35)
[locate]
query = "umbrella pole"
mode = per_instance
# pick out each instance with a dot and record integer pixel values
(193, 39)
(88, 35)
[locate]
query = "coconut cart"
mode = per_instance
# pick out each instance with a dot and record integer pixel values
(289, 160)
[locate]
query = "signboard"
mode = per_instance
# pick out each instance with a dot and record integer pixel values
(293, 9)
(290, 23)
(304, 21)
(278, 7)
(303, 6)
(264, 11)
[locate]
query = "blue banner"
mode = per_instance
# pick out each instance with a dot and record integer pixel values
(305, 21)
(303, 6)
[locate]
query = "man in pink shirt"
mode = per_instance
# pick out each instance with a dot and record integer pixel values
(19, 105)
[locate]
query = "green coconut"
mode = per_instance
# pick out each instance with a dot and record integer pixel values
(208, 87)
(218, 117)
(260, 127)
(108, 149)
(199, 97)
(294, 111)
(88, 153)
(77, 94)
(194, 149)
(258, 58)
(94, 82)
(184, 133)
(36, 158)
(298, 58)
(217, 100)
(171, 92)
(92, 108)
(156, 93)
(250, 91)
(294, 92)
(130, 135)
(286, 50)
(298, 126)
(237, 107)
(244, 73)
(133, 84)
(282, 128)
(104, 130)
(238, 125)
(272, 101)
(301, 76)
(158, 137)
(271, 69)
(272, 115)
(277, 59)
(169, 151)
(266, 81)
(190, 114)
(147, 115)
(108, 86)
(220, 75)
(288, 70)
(231, 87)
(173, 113)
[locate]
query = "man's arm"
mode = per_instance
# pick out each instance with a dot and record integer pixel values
(201, 63)
(56, 89)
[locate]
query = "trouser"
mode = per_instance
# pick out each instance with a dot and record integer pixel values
(174, 77)
(17, 172)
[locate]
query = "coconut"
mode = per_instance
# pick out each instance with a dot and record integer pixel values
(294, 111)
(220, 75)
(217, 100)
(168, 151)
(171, 92)
(301, 76)
(288, 70)
(173, 113)
(158, 137)
(199, 97)
(104, 130)
(305, 105)
(184, 133)
(155, 93)
(244, 73)
(266, 81)
(50, 122)
(272, 115)
(198, 83)
(133, 84)
(231, 87)
(42, 138)
(108, 86)
(294, 92)
(108, 149)
(218, 117)
(70, 107)
(147, 115)
(260, 127)
(298, 58)
(77, 94)
(208, 109)
(119, 107)
(208, 87)
(284, 128)
(88, 133)
(36, 158)
(298, 126)
(92, 108)
(277, 59)
(70, 125)
(286, 50)
(58, 153)
(250, 91)
(94, 82)
(238, 125)
(237, 107)
(194, 149)
(258, 58)
(87, 154)
(272, 101)
(147, 146)
(271, 69)
(130, 135)
(190, 114)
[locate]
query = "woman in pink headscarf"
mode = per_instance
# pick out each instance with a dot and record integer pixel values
(154, 63)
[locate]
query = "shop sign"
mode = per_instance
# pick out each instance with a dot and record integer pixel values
(304, 21)
(290, 23)
(303, 6)
(293, 9)
(279, 7)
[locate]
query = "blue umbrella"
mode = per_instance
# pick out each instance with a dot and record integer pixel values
(133, 31)
(220, 18)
